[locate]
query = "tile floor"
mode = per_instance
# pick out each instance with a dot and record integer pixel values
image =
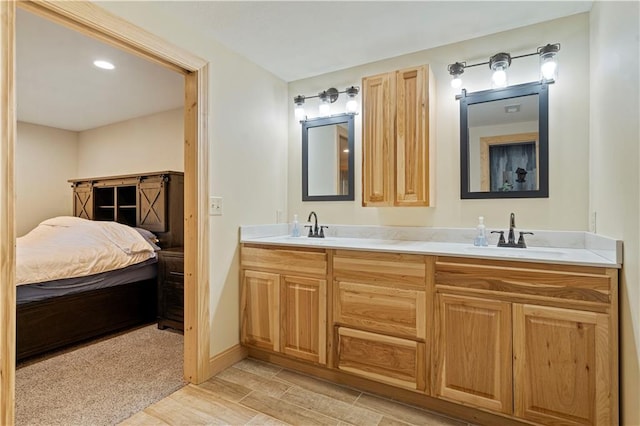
(256, 393)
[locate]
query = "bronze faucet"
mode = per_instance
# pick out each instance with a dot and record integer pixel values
(511, 239)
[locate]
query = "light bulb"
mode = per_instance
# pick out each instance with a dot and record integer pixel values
(325, 108)
(352, 105)
(299, 112)
(456, 83)
(548, 70)
(499, 78)
(549, 61)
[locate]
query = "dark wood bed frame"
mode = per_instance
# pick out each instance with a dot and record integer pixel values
(46, 325)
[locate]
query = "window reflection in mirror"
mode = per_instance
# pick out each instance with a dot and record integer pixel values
(503, 142)
(327, 159)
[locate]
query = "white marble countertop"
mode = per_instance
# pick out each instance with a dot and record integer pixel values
(562, 247)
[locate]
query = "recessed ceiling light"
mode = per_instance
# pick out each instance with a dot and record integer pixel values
(104, 65)
(510, 109)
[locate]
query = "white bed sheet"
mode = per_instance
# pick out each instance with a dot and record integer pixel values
(69, 247)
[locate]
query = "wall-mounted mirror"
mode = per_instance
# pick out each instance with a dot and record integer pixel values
(327, 158)
(504, 142)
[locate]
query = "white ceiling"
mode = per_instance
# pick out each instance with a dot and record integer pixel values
(57, 85)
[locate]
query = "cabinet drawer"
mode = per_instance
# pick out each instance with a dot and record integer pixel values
(583, 284)
(381, 309)
(399, 270)
(284, 261)
(386, 359)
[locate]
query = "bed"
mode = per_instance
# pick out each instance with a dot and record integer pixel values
(78, 279)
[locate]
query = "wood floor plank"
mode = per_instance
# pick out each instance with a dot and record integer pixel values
(284, 411)
(225, 389)
(253, 381)
(334, 391)
(205, 402)
(258, 367)
(406, 413)
(264, 420)
(174, 413)
(143, 419)
(331, 407)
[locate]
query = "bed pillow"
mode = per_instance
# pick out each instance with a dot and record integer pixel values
(150, 237)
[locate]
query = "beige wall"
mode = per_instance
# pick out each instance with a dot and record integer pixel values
(45, 158)
(614, 172)
(144, 144)
(248, 165)
(567, 206)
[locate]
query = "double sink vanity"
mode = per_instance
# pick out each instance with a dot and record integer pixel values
(492, 335)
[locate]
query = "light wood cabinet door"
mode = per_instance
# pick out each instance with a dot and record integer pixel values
(412, 142)
(562, 366)
(260, 310)
(473, 352)
(304, 318)
(386, 359)
(378, 133)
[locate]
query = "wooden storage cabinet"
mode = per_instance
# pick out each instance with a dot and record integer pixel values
(397, 111)
(563, 328)
(171, 288)
(283, 301)
(380, 314)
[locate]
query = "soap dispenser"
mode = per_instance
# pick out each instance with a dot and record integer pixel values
(481, 234)
(295, 227)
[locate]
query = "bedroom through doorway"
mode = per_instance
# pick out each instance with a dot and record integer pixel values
(196, 348)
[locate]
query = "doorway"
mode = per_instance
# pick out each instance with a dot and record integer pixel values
(93, 21)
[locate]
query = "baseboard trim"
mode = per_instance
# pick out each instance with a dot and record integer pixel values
(226, 359)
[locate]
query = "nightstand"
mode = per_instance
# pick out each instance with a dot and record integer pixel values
(171, 288)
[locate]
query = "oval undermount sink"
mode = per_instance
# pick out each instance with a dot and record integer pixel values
(515, 252)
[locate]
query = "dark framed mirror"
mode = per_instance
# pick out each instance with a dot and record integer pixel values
(504, 149)
(327, 158)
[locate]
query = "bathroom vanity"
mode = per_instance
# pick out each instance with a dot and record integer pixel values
(485, 334)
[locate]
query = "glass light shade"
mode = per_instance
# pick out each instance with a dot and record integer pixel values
(299, 112)
(352, 105)
(324, 108)
(456, 83)
(548, 66)
(499, 78)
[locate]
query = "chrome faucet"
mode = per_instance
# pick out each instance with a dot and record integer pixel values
(511, 238)
(315, 231)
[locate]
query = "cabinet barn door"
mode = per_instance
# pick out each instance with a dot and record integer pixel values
(378, 139)
(303, 305)
(562, 366)
(473, 345)
(83, 200)
(152, 206)
(260, 310)
(412, 130)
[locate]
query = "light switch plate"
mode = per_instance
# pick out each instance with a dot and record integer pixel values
(215, 206)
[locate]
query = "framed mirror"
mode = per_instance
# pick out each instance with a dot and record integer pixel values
(504, 151)
(327, 158)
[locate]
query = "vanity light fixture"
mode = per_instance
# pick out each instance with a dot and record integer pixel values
(327, 97)
(500, 63)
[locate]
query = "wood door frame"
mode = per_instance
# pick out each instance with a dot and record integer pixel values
(91, 20)
(486, 142)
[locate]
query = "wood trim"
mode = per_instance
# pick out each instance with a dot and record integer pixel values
(487, 141)
(7, 213)
(227, 358)
(93, 21)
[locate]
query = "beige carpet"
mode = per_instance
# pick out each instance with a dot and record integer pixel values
(102, 383)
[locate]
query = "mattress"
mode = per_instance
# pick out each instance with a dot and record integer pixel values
(40, 291)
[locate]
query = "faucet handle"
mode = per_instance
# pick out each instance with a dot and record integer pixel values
(310, 230)
(321, 234)
(521, 242)
(501, 239)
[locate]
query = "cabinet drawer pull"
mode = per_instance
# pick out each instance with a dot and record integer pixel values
(178, 274)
